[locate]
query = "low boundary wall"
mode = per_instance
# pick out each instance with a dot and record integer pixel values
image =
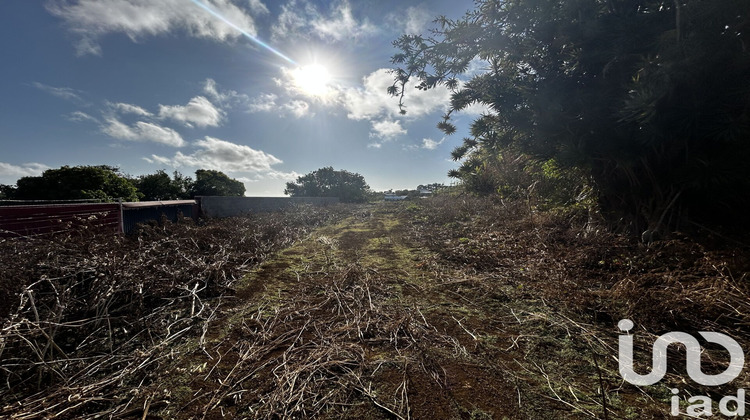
(215, 206)
(46, 219)
(147, 211)
(26, 220)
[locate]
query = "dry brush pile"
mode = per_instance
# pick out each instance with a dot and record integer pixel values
(563, 268)
(568, 259)
(348, 349)
(87, 317)
(326, 335)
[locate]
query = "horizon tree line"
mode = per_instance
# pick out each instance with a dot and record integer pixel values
(107, 183)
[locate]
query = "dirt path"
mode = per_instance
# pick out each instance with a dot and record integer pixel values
(360, 321)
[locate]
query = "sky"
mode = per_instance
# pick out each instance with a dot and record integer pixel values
(262, 90)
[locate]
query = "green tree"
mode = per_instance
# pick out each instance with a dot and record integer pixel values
(102, 182)
(211, 182)
(349, 187)
(647, 99)
(7, 192)
(159, 186)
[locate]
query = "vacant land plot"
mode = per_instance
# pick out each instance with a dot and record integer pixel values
(446, 308)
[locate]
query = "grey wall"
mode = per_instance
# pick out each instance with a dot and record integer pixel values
(213, 206)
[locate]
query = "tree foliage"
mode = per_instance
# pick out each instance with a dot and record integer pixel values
(212, 182)
(434, 187)
(7, 192)
(102, 182)
(349, 187)
(649, 100)
(106, 183)
(159, 186)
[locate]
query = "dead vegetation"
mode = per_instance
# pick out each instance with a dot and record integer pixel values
(672, 283)
(567, 284)
(316, 356)
(328, 336)
(88, 317)
(452, 307)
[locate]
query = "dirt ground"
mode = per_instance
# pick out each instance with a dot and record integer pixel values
(373, 318)
(420, 311)
(355, 321)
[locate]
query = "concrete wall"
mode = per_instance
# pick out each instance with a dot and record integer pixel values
(213, 206)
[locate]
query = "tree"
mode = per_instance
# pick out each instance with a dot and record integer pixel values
(159, 186)
(326, 182)
(211, 182)
(648, 99)
(102, 182)
(434, 187)
(7, 192)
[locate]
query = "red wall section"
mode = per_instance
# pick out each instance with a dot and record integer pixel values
(34, 220)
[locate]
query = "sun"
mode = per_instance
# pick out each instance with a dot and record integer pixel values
(312, 80)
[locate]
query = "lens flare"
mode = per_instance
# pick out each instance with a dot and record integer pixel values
(242, 31)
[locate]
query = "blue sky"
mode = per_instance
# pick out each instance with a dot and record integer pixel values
(147, 85)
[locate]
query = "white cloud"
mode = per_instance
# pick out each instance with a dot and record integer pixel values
(300, 17)
(292, 20)
(199, 111)
(372, 99)
(297, 108)
(414, 21)
(160, 160)
(477, 66)
(284, 176)
(266, 102)
(210, 89)
(375, 145)
(258, 7)
(226, 98)
(222, 155)
(476, 109)
(427, 144)
(431, 144)
(79, 116)
(142, 131)
(159, 134)
(26, 169)
(129, 109)
(246, 180)
(387, 129)
(115, 128)
(342, 25)
(66, 93)
(92, 19)
(369, 101)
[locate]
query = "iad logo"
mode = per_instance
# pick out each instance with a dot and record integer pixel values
(659, 362)
(703, 404)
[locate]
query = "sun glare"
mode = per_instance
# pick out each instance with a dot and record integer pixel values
(313, 80)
